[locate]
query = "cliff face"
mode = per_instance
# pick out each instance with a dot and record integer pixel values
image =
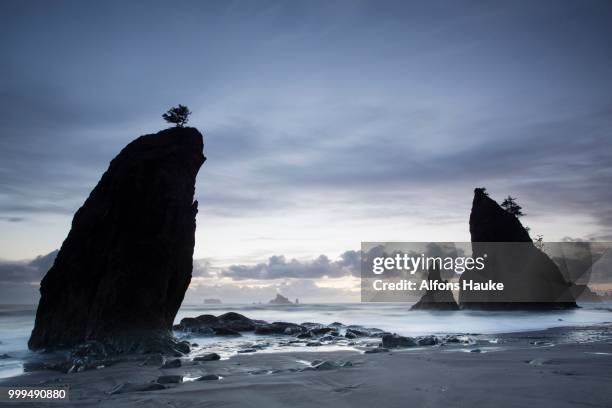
(531, 279)
(122, 272)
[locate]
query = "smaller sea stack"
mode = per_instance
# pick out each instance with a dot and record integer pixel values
(531, 279)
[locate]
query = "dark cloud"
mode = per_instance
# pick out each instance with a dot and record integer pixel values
(278, 267)
(20, 280)
(377, 108)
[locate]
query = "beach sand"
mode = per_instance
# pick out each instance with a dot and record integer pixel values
(560, 367)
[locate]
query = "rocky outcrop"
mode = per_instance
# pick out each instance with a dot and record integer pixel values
(531, 279)
(396, 341)
(227, 324)
(280, 300)
(279, 328)
(236, 323)
(208, 357)
(355, 333)
(122, 272)
(436, 299)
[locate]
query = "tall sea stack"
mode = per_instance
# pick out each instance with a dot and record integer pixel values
(122, 272)
(531, 279)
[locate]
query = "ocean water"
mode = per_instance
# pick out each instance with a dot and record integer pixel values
(16, 322)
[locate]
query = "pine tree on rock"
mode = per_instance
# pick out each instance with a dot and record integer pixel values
(178, 115)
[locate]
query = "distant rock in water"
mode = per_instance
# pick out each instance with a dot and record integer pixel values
(280, 300)
(436, 299)
(122, 272)
(212, 301)
(531, 279)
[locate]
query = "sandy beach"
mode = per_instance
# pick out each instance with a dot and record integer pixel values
(561, 367)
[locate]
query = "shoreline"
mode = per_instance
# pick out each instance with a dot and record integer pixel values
(390, 317)
(564, 366)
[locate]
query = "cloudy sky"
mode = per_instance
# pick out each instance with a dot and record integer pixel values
(326, 124)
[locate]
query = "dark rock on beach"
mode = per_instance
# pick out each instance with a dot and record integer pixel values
(223, 331)
(454, 339)
(87, 356)
(231, 324)
(531, 279)
(279, 328)
(395, 341)
(319, 331)
(228, 324)
(376, 350)
(328, 338)
(236, 321)
(170, 379)
(203, 324)
(208, 377)
(427, 341)
(122, 272)
(353, 333)
(208, 357)
(174, 363)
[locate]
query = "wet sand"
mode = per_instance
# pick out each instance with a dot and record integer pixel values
(561, 367)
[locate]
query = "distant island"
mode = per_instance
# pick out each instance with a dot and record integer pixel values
(281, 300)
(212, 301)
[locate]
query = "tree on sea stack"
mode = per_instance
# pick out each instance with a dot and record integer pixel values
(482, 190)
(178, 115)
(512, 207)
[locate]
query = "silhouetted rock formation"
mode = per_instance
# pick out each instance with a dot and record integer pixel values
(280, 300)
(436, 299)
(397, 341)
(531, 279)
(228, 324)
(122, 272)
(489, 222)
